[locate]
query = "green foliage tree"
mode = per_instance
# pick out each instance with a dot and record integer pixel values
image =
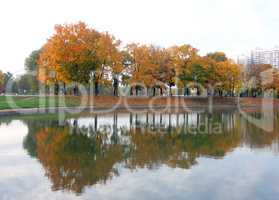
(2, 81)
(218, 56)
(31, 62)
(27, 84)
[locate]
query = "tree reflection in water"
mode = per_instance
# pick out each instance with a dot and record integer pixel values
(86, 152)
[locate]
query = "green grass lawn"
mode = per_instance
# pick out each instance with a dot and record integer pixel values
(17, 102)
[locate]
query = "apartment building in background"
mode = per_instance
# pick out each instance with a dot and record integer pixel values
(261, 56)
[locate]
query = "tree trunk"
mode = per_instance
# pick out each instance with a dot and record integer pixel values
(154, 91)
(56, 88)
(220, 93)
(115, 86)
(75, 90)
(64, 88)
(161, 91)
(170, 91)
(96, 88)
(137, 91)
(115, 90)
(210, 92)
(131, 91)
(186, 91)
(254, 93)
(198, 91)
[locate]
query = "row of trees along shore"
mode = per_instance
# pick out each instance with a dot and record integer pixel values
(77, 54)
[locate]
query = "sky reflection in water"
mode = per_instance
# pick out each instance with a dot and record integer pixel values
(145, 156)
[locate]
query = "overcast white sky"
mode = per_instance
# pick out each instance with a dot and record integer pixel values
(234, 27)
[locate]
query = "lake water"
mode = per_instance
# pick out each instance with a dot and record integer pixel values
(138, 156)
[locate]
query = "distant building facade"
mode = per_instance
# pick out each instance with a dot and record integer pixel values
(261, 56)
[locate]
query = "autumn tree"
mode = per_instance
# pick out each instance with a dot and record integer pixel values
(223, 74)
(140, 67)
(165, 69)
(109, 62)
(200, 74)
(255, 78)
(184, 57)
(263, 78)
(70, 55)
(162, 71)
(117, 68)
(229, 75)
(81, 55)
(275, 82)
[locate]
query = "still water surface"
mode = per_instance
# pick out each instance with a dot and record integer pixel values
(138, 156)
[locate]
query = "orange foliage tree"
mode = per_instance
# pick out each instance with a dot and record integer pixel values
(78, 54)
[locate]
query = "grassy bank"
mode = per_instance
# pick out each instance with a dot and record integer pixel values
(20, 102)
